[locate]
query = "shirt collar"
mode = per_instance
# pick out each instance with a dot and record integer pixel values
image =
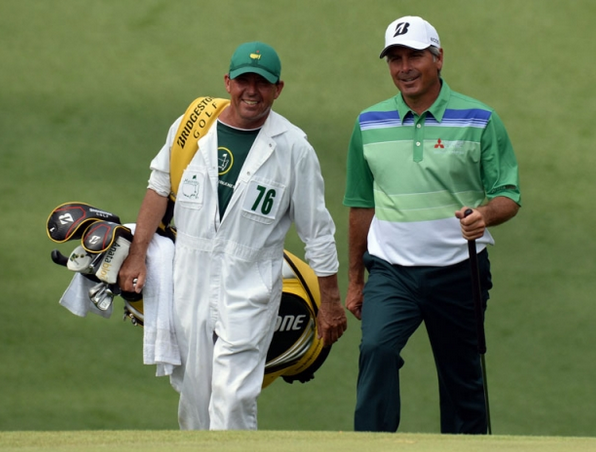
(437, 109)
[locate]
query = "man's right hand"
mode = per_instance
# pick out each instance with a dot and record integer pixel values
(132, 274)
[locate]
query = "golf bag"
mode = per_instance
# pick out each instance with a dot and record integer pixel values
(295, 352)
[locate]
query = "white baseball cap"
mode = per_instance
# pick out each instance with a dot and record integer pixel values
(410, 31)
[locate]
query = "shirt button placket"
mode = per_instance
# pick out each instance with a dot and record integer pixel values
(418, 142)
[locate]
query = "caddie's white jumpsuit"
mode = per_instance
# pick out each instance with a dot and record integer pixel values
(227, 274)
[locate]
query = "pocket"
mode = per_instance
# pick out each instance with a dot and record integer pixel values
(367, 260)
(250, 282)
(263, 200)
(266, 273)
(191, 190)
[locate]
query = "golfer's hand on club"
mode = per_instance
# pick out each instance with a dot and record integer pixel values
(132, 274)
(472, 224)
(331, 318)
(354, 299)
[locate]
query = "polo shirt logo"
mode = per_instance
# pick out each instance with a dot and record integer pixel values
(439, 144)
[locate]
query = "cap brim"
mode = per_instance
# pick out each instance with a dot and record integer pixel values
(255, 70)
(411, 44)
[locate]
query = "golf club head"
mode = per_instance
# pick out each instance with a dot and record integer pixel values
(101, 296)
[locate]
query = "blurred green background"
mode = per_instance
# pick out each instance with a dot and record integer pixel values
(88, 89)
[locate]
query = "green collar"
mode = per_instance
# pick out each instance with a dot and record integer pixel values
(437, 109)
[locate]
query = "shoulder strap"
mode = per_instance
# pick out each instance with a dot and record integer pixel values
(198, 118)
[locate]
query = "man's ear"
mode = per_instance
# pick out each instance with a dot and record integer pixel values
(279, 87)
(227, 82)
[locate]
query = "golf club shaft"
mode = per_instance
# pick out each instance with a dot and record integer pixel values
(479, 315)
(474, 269)
(485, 384)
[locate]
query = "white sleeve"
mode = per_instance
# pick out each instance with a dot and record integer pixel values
(313, 222)
(159, 181)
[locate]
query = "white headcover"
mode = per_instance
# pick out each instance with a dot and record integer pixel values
(113, 258)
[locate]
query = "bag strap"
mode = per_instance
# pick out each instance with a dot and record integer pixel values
(198, 119)
(200, 115)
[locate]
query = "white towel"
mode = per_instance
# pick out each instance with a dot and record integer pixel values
(76, 298)
(160, 347)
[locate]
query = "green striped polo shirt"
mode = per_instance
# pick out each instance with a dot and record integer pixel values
(417, 170)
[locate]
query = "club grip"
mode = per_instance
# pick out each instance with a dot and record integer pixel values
(59, 258)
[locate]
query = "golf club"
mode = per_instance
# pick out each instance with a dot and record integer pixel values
(479, 318)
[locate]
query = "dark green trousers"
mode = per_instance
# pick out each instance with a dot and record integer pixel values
(397, 300)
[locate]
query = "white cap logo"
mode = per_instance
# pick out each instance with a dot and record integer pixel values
(401, 29)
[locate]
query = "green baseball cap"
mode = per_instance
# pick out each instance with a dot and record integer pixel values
(256, 57)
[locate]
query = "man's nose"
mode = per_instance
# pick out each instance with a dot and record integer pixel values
(251, 86)
(405, 64)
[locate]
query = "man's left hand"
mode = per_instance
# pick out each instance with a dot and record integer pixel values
(331, 319)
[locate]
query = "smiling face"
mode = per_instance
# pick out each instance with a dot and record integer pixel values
(416, 75)
(251, 99)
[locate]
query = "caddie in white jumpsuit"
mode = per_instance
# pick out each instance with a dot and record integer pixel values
(228, 261)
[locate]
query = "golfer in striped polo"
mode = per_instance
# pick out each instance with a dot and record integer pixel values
(416, 163)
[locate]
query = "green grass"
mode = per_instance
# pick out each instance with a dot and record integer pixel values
(87, 92)
(290, 441)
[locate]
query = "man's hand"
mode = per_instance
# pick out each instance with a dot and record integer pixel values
(497, 211)
(331, 319)
(472, 225)
(331, 322)
(359, 224)
(354, 300)
(132, 274)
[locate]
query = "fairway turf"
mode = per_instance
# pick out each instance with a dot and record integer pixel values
(267, 441)
(89, 89)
